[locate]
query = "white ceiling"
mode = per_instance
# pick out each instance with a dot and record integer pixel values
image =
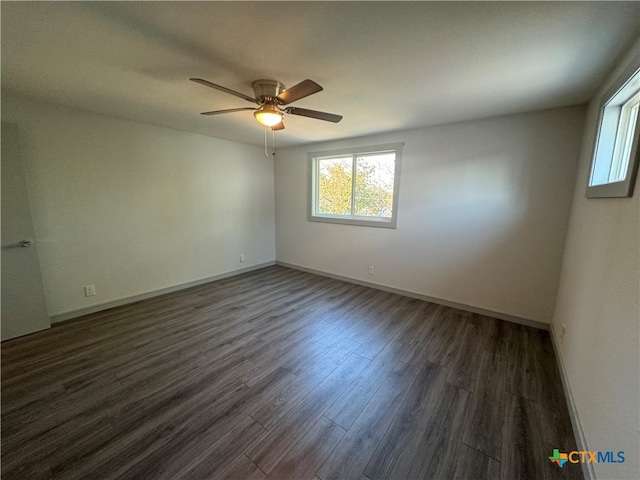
(383, 65)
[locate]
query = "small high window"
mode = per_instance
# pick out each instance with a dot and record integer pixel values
(356, 186)
(616, 152)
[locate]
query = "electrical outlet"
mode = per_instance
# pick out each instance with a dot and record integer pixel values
(242, 258)
(89, 290)
(371, 270)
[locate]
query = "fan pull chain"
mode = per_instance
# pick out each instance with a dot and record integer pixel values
(266, 152)
(273, 137)
(266, 144)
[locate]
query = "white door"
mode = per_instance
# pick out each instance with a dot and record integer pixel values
(23, 305)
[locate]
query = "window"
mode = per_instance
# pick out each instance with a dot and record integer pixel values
(616, 152)
(356, 186)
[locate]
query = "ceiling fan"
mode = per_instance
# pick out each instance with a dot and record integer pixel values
(270, 95)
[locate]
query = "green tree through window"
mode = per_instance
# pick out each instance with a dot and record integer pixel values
(334, 186)
(374, 185)
(356, 186)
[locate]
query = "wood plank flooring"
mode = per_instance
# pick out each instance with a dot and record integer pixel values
(282, 374)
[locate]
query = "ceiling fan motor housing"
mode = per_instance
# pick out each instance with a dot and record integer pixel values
(267, 90)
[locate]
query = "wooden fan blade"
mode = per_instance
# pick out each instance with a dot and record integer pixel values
(206, 83)
(301, 90)
(229, 110)
(303, 112)
(277, 127)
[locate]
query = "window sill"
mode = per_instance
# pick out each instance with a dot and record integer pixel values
(358, 221)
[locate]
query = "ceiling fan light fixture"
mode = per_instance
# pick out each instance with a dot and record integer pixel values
(268, 115)
(269, 95)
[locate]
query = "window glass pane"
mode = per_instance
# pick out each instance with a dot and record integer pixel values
(615, 153)
(622, 152)
(374, 185)
(334, 186)
(605, 145)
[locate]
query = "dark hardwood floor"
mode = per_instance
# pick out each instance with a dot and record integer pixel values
(283, 374)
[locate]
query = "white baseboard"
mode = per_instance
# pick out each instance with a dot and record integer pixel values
(419, 296)
(581, 441)
(135, 298)
(124, 301)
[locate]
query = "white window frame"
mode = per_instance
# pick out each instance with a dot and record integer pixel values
(368, 221)
(616, 151)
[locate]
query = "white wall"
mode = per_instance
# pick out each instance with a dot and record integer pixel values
(598, 301)
(134, 208)
(482, 217)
